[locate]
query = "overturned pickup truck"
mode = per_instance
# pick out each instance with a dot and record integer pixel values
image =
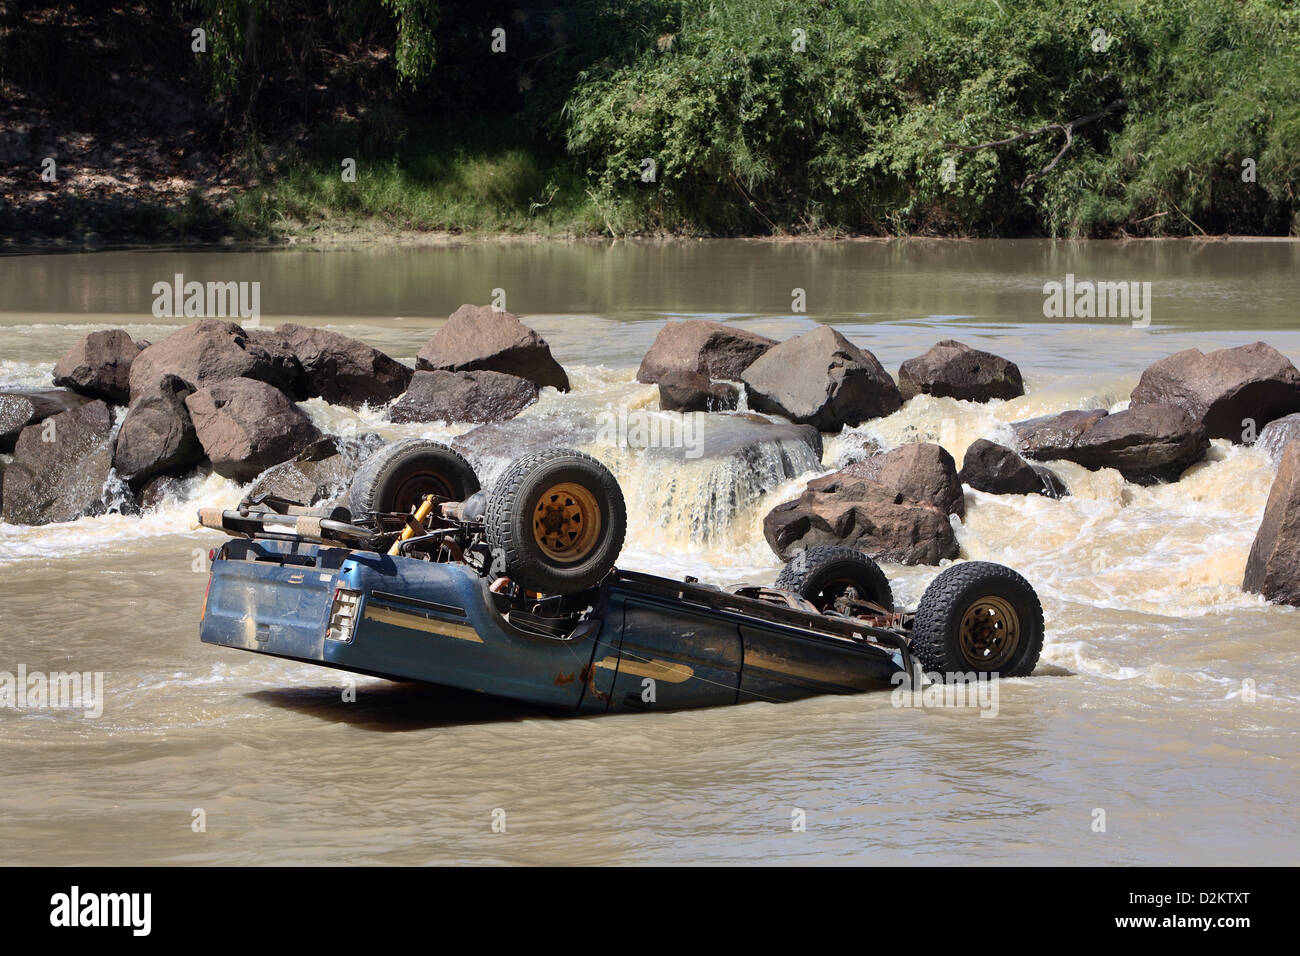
(514, 593)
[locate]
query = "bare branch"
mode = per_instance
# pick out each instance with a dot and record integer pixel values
(1066, 128)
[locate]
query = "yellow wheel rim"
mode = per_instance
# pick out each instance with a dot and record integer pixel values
(990, 633)
(566, 522)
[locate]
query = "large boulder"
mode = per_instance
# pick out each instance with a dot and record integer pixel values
(1049, 437)
(61, 467)
(694, 392)
(1224, 389)
(99, 366)
(22, 407)
(157, 436)
(1146, 444)
(480, 396)
(246, 426)
(822, 379)
(955, 370)
(339, 369)
(706, 348)
(478, 338)
(1273, 566)
(1277, 434)
(865, 515)
(208, 351)
(921, 471)
(998, 470)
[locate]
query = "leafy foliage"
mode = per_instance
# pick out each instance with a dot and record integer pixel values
(751, 133)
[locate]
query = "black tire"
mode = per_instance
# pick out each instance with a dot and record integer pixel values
(398, 476)
(822, 574)
(953, 633)
(530, 524)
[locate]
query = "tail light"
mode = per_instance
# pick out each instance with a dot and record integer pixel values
(343, 615)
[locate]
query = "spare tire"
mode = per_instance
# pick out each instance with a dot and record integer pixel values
(398, 476)
(979, 617)
(823, 574)
(556, 520)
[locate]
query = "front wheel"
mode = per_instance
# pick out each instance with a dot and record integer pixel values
(979, 617)
(396, 478)
(827, 574)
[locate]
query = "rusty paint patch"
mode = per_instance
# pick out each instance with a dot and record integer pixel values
(589, 676)
(561, 679)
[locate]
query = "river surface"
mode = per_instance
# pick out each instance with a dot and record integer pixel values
(1160, 727)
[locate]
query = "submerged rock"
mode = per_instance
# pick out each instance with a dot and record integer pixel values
(61, 467)
(821, 379)
(1146, 444)
(692, 476)
(479, 396)
(998, 470)
(306, 482)
(99, 366)
(477, 338)
(245, 426)
(339, 369)
(22, 407)
(701, 347)
(1224, 390)
(693, 392)
(1273, 566)
(952, 369)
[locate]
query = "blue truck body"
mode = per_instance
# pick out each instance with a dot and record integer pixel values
(643, 643)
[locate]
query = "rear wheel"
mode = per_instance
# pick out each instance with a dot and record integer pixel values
(557, 519)
(979, 617)
(398, 476)
(823, 575)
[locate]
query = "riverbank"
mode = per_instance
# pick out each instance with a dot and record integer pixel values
(888, 118)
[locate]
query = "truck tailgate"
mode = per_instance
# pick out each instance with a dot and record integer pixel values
(272, 608)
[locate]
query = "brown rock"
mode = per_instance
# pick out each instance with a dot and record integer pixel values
(1146, 444)
(1273, 567)
(463, 397)
(208, 351)
(822, 379)
(886, 525)
(476, 338)
(341, 370)
(246, 426)
(711, 349)
(1049, 437)
(157, 436)
(22, 407)
(954, 370)
(997, 470)
(921, 471)
(99, 366)
(1223, 389)
(61, 467)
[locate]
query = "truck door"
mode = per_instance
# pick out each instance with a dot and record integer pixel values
(674, 657)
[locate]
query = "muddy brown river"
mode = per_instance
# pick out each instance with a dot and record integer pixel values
(1160, 727)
